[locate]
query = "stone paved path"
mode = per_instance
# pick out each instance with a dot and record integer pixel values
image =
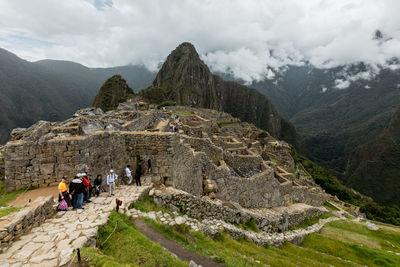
(52, 243)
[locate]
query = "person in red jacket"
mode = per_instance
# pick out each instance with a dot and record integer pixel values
(86, 184)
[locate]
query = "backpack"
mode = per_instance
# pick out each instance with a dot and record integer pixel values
(63, 206)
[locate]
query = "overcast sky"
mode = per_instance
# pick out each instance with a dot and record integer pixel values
(248, 38)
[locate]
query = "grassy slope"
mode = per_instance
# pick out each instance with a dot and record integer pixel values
(128, 246)
(6, 198)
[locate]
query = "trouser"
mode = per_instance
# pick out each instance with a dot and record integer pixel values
(98, 190)
(79, 200)
(111, 188)
(74, 202)
(87, 196)
(138, 183)
(65, 195)
(130, 179)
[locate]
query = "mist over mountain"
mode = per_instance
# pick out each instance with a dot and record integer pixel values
(186, 79)
(52, 90)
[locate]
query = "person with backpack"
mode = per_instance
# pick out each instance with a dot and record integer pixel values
(63, 194)
(97, 184)
(111, 179)
(76, 189)
(138, 173)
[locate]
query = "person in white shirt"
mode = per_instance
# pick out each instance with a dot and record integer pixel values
(128, 173)
(111, 178)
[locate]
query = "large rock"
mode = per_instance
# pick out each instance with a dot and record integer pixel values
(89, 126)
(88, 112)
(36, 131)
(17, 133)
(209, 186)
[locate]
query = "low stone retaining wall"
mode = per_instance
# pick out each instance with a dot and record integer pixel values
(206, 209)
(19, 223)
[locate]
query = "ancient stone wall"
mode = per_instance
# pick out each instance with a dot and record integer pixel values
(205, 209)
(34, 164)
(19, 223)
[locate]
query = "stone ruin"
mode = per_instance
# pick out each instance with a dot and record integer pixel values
(212, 155)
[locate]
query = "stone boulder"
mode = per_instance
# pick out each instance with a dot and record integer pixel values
(371, 226)
(209, 186)
(17, 133)
(130, 104)
(89, 126)
(88, 112)
(36, 131)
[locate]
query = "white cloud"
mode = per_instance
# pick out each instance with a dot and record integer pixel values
(251, 39)
(342, 84)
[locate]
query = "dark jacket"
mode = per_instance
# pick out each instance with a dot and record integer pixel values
(138, 171)
(76, 187)
(97, 181)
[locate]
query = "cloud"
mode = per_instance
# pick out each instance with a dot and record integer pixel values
(251, 39)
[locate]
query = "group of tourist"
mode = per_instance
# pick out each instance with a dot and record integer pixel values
(81, 188)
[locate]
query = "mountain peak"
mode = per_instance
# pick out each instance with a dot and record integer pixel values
(114, 91)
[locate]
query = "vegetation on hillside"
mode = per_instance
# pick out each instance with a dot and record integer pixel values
(332, 185)
(114, 91)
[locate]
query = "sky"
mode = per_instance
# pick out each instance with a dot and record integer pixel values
(251, 39)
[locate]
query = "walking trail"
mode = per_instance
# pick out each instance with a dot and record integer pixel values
(173, 246)
(52, 243)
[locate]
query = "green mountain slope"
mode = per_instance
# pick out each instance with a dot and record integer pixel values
(114, 91)
(374, 168)
(52, 89)
(186, 79)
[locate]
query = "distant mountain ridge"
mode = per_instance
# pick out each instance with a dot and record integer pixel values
(51, 89)
(186, 79)
(374, 168)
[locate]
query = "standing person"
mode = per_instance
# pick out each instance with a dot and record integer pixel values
(138, 173)
(128, 173)
(62, 190)
(86, 183)
(97, 184)
(76, 188)
(86, 169)
(111, 178)
(149, 165)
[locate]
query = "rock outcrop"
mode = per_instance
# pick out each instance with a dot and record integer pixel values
(186, 79)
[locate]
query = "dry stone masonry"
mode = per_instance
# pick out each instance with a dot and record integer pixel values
(52, 242)
(212, 154)
(19, 223)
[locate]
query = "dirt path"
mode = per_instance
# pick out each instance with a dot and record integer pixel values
(173, 246)
(33, 194)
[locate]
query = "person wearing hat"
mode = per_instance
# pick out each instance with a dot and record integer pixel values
(62, 190)
(111, 178)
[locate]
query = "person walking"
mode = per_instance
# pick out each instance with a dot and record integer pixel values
(111, 178)
(128, 173)
(97, 184)
(138, 173)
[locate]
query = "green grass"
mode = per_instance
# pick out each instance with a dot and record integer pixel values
(7, 197)
(7, 210)
(274, 160)
(386, 238)
(146, 204)
(350, 251)
(250, 225)
(181, 112)
(231, 252)
(96, 258)
(128, 246)
(308, 222)
(329, 206)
